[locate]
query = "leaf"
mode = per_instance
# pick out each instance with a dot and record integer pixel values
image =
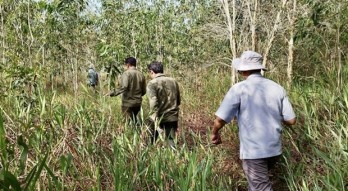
(24, 154)
(29, 177)
(8, 181)
(54, 178)
(2, 142)
(34, 174)
(42, 4)
(326, 158)
(65, 163)
(105, 50)
(42, 164)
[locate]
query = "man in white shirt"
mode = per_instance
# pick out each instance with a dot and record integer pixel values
(260, 106)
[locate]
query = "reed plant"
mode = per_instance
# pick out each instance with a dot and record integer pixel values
(56, 141)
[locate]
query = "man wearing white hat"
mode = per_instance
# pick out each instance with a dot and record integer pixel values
(260, 106)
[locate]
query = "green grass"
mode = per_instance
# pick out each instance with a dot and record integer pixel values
(55, 141)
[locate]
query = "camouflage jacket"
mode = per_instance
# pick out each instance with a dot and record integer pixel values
(164, 98)
(132, 86)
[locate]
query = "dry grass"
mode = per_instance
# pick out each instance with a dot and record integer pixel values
(89, 146)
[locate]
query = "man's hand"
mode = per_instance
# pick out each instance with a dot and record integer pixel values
(216, 139)
(111, 94)
(215, 136)
(290, 122)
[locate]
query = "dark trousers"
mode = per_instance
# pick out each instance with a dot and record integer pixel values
(94, 87)
(256, 171)
(169, 129)
(131, 113)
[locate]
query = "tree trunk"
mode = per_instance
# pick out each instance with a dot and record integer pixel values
(31, 36)
(291, 17)
(339, 59)
(76, 73)
(159, 56)
(252, 16)
(231, 26)
(272, 34)
(134, 43)
(2, 35)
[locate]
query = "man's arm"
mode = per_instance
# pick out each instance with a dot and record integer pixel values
(153, 101)
(143, 87)
(289, 117)
(97, 78)
(218, 124)
(178, 93)
(122, 86)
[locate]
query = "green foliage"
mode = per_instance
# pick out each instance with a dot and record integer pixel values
(57, 135)
(320, 37)
(88, 140)
(3, 148)
(8, 181)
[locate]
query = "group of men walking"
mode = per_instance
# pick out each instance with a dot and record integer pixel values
(260, 106)
(163, 93)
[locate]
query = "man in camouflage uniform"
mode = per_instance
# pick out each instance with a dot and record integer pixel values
(164, 98)
(132, 86)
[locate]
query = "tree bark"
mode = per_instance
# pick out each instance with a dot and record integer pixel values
(31, 35)
(231, 26)
(252, 16)
(291, 17)
(272, 34)
(339, 59)
(2, 35)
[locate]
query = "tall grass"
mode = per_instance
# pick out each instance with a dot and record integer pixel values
(55, 141)
(321, 161)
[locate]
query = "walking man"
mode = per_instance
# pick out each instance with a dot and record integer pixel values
(132, 86)
(260, 106)
(164, 98)
(93, 77)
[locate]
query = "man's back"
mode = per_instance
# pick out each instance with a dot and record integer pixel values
(92, 77)
(260, 106)
(164, 97)
(134, 86)
(262, 101)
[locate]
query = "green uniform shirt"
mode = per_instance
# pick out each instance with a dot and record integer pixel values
(164, 97)
(132, 87)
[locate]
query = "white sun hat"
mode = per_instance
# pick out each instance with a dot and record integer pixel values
(249, 60)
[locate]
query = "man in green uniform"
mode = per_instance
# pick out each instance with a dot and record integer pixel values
(164, 98)
(132, 86)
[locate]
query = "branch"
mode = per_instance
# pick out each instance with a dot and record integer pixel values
(272, 35)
